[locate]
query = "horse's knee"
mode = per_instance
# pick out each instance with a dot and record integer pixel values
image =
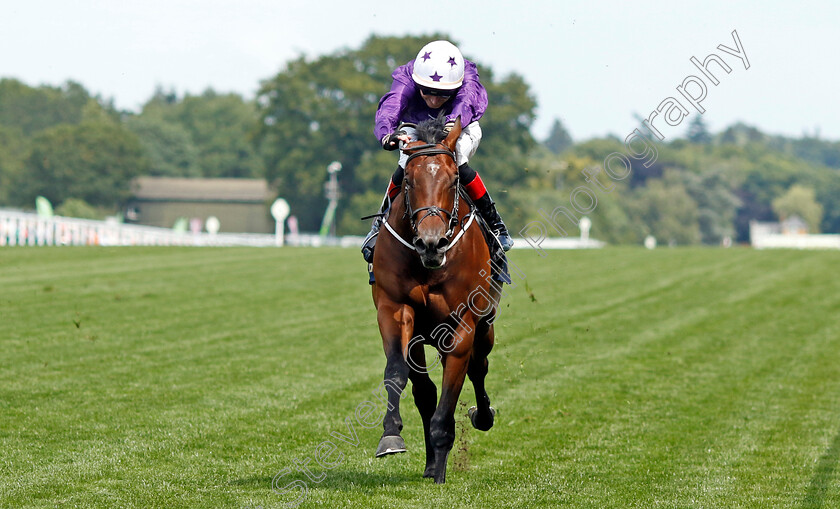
(396, 372)
(395, 381)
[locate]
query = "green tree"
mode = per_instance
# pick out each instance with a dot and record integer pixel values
(800, 201)
(74, 207)
(818, 151)
(741, 134)
(34, 109)
(716, 204)
(13, 151)
(219, 128)
(698, 132)
(828, 195)
(94, 162)
(664, 209)
(559, 138)
(168, 145)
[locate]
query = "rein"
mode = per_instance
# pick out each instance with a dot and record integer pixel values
(471, 217)
(410, 213)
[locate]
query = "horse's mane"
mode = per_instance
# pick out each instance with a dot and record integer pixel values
(431, 130)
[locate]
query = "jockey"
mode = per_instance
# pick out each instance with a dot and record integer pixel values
(438, 81)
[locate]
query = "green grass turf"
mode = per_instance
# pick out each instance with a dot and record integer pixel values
(170, 377)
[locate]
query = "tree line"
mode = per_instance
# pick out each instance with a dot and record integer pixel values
(82, 153)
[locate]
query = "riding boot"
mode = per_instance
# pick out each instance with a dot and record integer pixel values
(488, 212)
(370, 241)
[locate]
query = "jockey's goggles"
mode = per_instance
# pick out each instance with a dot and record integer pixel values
(437, 92)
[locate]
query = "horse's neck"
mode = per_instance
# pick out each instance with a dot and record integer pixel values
(396, 216)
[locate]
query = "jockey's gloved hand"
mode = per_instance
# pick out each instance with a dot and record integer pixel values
(391, 141)
(447, 127)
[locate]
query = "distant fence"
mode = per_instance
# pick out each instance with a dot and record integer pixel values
(825, 241)
(26, 229)
(766, 235)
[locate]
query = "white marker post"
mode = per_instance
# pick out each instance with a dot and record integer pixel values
(212, 225)
(585, 224)
(279, 211)
(331, 190)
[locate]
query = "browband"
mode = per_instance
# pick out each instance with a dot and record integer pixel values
(428, 150)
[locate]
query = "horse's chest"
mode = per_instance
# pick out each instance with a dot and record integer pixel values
(431, 302)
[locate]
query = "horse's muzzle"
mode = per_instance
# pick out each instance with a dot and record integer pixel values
(432, 251)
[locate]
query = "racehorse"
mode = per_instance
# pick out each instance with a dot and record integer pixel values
(433, 286)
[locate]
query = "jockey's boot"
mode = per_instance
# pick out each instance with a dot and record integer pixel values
(488, 212)
(370, 241)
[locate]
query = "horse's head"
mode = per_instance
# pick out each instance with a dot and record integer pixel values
(431, 190)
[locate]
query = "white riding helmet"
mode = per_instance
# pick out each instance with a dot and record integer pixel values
(439, 68)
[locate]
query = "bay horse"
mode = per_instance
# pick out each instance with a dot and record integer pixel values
(433, 286)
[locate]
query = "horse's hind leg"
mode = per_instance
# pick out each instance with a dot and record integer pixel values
(425, 397)
(481, 415)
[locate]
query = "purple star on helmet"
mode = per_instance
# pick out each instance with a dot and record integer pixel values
(452, 62)
(436, 77)
(427, 55)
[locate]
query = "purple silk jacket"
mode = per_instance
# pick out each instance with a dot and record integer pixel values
(404, 104)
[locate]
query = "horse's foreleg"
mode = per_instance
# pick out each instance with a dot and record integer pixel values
(425, 397)
(443, 421)
(481, 415)
(394, 324)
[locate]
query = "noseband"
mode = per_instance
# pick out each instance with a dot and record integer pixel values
(431, 150)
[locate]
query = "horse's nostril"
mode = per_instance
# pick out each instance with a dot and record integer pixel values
(430, 245)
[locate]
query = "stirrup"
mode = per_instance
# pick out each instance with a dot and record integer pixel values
(505, 239)
(369, 243)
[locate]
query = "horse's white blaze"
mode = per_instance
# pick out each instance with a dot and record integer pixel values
(433, 168)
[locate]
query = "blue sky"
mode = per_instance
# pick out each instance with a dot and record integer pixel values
(593, 64)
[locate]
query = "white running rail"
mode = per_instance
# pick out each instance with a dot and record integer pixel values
(25, 229)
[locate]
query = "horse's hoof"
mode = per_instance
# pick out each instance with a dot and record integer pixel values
(392, 444)
(477, 422)
(429, 472)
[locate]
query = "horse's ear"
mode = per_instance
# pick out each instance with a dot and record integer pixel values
(454, 134)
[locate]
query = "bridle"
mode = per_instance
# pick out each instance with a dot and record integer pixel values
(430, 150)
